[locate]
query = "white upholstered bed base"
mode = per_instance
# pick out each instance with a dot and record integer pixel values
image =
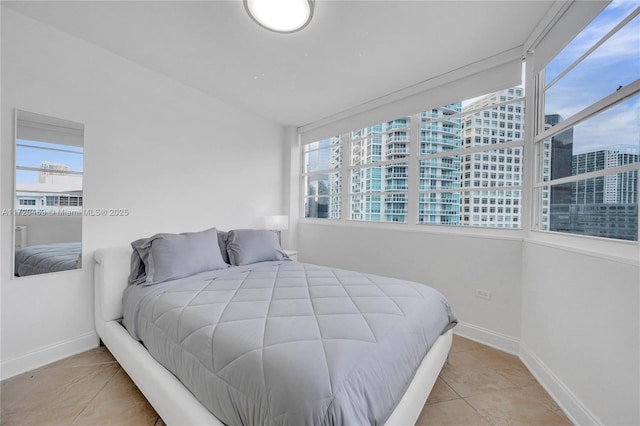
(173, 402)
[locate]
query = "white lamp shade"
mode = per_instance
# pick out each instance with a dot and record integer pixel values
(277, 222)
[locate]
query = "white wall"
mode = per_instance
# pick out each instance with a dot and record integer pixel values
(456, 265)
(178, 159)
(581, 331)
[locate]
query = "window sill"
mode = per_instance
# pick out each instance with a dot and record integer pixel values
(466, 231)
(615, 250)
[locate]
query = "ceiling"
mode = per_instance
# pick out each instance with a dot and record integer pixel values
(352, 52)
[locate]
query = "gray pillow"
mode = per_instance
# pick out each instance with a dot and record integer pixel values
(247, 246)
(164, 257)
(222, 242)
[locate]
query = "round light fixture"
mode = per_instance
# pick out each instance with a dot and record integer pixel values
(281, 16)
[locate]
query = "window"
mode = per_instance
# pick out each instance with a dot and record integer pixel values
(410, 169)
(588, 149)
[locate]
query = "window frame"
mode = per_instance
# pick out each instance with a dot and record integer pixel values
(543, 135)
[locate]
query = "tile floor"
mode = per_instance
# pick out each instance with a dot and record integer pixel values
(479, 386)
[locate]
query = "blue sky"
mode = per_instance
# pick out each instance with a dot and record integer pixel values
(615, 63)
(30, 157)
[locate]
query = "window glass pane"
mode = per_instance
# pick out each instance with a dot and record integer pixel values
(493, 124)
(605, 206)
(618, 59)
(499, 167)
(609, 139)
(386, 141)
(322, 207)
(442, 208)
(440, 173)
(367, 207)
(326, 156)
(324, 143)
(491, 208)
(611, 16)
(380, 207)
(325, 184)
(390, 177)
(381, 142)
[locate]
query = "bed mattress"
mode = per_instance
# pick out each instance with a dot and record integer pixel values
(288, 343)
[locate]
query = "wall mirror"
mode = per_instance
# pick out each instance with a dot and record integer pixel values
(47, 195)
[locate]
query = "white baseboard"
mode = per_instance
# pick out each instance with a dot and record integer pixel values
(574, 409)
(47, 354)
(488, 337)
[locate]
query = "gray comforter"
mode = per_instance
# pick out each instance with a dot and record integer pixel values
(40, 259)
(287, 343)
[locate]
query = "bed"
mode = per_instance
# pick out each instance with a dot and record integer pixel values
(286, 290)
(44, 258)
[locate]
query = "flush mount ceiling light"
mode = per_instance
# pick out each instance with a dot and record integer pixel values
(281, 16)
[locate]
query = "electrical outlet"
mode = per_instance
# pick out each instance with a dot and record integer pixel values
(483, 294)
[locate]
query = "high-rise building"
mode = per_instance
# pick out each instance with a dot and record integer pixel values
(561, 153)
(382, 142)
(440, 131)
(618, 188)
(603, 206)
(390, 141)
(495, 171)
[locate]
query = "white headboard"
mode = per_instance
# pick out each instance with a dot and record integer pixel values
(111, 277)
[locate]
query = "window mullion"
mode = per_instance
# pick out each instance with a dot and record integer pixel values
(345, 178)
(474, 149)
(413, 170)
(590, 175)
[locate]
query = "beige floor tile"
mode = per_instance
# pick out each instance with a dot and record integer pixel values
(121, 412)
(462, 344)
(441, 392)
(467, 382)
(536, 392)
(54, 388)
(61, 416)
(463, 361)
(456, 413)
(515, 407)
(494, 358)
(99, 355)
(120, 386)
(519, 376)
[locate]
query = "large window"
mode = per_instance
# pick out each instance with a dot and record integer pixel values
(459, 164)
(588, 139)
